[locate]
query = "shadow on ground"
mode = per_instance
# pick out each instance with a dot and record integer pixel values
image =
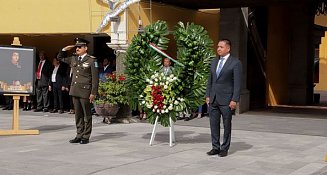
(50, 128)
(106, 136)
(239, 146)
(183, 137)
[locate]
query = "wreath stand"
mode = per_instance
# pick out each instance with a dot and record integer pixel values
(15, 120)
(171, 132)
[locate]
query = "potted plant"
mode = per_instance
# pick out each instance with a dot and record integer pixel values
(111, 93)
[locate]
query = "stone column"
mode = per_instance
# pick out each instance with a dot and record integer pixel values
(119, 44)
(300, 85)
(233, 27)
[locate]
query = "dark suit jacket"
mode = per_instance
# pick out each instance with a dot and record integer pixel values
(103, 73)
(85, 79)
(45, 74)
(227, 86)
(61, 76)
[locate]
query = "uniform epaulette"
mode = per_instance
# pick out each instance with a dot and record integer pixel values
(92, 56)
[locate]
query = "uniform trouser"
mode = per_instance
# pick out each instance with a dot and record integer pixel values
(42, 97)
(215, 111)
(57, 98)
(83, 117)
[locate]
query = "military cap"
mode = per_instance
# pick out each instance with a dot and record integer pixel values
(80, 41)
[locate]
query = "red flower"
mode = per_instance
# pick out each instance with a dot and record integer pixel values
(122, 78)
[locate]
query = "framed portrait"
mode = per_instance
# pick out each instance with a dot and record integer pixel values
(17, 65)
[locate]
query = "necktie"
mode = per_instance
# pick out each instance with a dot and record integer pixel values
(38, 73)
(80, 58)
(220, 66)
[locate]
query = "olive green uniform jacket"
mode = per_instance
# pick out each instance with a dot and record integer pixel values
(85, 78)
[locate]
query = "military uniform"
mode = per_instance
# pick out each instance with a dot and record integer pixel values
(85, 81)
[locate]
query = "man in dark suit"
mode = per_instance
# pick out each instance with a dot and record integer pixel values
(43, 76)
(83, 88)
(58, 82)
(107, 69)
(222, 95)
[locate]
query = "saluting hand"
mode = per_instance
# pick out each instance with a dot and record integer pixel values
(92, 97)
(68, 47)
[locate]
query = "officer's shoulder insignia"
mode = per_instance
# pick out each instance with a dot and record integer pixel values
(96, 64)
(91, 56)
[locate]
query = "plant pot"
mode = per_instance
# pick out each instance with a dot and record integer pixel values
(107, 111)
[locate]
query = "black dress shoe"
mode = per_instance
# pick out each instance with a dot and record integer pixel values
(84, 141)
(37, 110)
(223, 153)
(75, 140)
(213, 152)
(5, 108)
(179, 118)
(187, 119)
(54, 111)
(45, 110)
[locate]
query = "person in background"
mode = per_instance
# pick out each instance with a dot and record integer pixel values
(105, 70)
(43, 76)
(58, 81)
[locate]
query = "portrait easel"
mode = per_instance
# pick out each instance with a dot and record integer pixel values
(15, 120)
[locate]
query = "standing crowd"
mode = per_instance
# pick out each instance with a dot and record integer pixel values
(79, 75)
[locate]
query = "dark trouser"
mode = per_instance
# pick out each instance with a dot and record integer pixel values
(71, 103)
(42, 97)
(215, 111)
(83, 117)
(57, 97)
(9, 101)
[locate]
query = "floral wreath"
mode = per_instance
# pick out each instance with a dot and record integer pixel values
(160, 95)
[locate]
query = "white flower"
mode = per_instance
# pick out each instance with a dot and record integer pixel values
(152, 77)
(162, 74)
(141, 96)
(158, 110)
(147, 80)
(171, 76)
(171, 80)
(156, 75)
(155, 107)
(155, 84)
(182, 99)
(170, 108)
(168, 78)
(166, 111)
(149, 106)
(151, 82)
(167, 82)
(161, 84)
(143, 102)
(164, 78)
(156, 79)
(162, 111)
(165, 87)
(176, 102)
(153, 110)
(179, 98)
(175, 78)
(164, 106)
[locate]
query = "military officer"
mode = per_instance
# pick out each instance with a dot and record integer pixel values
(83, 88)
